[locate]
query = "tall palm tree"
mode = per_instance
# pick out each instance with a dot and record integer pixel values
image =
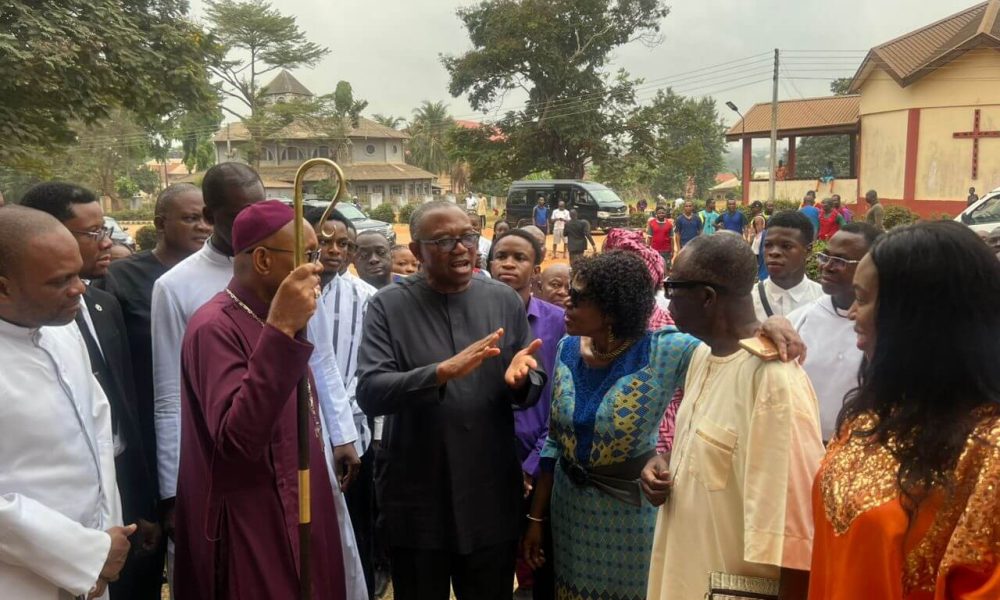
(428, 131)
(390, 121)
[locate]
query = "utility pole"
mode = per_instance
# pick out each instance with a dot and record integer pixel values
(774, 132)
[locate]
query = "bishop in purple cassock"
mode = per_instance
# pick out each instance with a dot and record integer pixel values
(237, 495)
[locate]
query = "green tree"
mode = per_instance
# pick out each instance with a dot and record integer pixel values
(390, 121)
(674, 138)
(257, 39)
(69, 64)
(428, 131)
(344, 104)
(812, 153)
(558, 52)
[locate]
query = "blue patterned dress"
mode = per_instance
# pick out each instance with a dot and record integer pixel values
(603, 417)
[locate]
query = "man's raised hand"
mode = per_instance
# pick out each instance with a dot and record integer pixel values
(524, 362)
(468, 360)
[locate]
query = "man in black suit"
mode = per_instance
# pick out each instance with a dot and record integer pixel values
(103, 328)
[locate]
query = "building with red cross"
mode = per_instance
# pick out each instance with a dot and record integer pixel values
(922, 120)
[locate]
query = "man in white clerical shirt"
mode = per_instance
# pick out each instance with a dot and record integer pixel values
(833, 360)
(61, 535)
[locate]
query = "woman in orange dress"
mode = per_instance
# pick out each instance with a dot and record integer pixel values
(907, 501)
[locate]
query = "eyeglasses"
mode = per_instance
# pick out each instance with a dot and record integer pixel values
(670, 286)
(469, 240)
(380, 252)
(834, 262)
(98, 236)
(341, 244)
(312, 256)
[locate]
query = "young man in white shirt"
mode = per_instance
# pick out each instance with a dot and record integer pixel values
(227, 188)
(833, 360)
(787, 245)
(738, 482)
(60, 511)
(560, 216)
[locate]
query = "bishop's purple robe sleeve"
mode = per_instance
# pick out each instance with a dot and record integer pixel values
(242, 400)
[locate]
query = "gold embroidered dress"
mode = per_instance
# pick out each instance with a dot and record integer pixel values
(865, 546)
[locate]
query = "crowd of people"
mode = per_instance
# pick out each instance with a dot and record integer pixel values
(684, 414)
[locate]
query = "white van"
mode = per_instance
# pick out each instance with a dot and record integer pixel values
(984, 214)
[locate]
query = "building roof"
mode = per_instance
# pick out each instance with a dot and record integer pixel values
(918, 53)
(285, 83)
(299, 130)
(282, 176)
(808, 116)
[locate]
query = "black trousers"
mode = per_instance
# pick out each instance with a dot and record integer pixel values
(360, 498)
(485, 574)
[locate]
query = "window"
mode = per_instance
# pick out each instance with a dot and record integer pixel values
(321, 152)
(378, 189)
(411, 189)
(987, 212)
(395, 149)
(268, 155)
(395, 190)
(517, 198)
(291, 153)
(370, 149)
(361, 189)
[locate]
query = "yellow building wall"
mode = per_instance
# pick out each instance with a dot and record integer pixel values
(944, 164)
(972, 79)
(883, 153)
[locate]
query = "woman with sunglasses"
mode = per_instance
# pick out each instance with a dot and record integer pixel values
(905, 502)
(610, 388)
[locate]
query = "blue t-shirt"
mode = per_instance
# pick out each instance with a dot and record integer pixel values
(733, 222)
(542, 216)
(687, 228)
(813, 213)
(708, 221)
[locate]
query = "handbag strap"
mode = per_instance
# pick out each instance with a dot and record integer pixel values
(763, 299)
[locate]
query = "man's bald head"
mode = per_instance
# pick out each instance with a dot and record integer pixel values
(724, 259)
(19, 226)
(39, 269)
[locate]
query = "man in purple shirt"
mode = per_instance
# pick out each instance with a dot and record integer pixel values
(517, 257)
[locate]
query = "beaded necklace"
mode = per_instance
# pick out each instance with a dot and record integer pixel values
(312, 404)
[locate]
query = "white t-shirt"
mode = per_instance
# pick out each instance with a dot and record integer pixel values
(784, 301)
(560, 217)
(833, 358)
(746, 450)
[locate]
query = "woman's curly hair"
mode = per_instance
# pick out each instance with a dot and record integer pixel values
(618, 282)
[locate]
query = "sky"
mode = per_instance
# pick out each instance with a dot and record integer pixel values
(389, 49)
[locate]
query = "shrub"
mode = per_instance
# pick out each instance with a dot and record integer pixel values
(145, 237)
(383, 212)
(898, 215)
(406, 210)
(638, 220)
(812, 266)
(142, 214)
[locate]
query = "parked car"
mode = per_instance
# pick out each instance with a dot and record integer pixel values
(118, 234)
(594, 202)
(984, 214)
(356, 216)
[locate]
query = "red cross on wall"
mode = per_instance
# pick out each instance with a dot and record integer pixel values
(974, 135)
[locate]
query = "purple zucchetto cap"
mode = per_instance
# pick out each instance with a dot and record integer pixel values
(258, 222)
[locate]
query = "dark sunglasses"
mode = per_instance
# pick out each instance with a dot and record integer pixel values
(672, 285)
(311, 256)
(577, 296)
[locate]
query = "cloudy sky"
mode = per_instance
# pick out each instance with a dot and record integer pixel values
(389, 49)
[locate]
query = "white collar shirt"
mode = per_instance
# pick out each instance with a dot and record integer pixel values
(784, 301)
(57, 488)
(176, 296)
(833, 359)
